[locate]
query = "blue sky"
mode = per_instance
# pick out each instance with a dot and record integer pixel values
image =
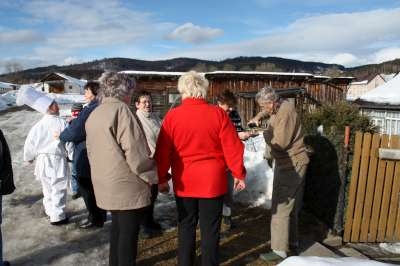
(349, 32)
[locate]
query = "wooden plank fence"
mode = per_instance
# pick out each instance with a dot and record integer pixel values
(373, 205)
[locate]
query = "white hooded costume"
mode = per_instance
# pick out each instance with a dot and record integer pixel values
(49, 152)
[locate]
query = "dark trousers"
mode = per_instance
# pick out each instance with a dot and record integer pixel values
(189, 211)
(86, 189)
(124, 236)
(149, 216)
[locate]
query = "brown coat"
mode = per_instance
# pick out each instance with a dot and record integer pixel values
(119, 157)
(284, 135)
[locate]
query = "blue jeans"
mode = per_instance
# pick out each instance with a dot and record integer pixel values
(74, 182)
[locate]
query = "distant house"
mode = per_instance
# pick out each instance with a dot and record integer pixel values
(359, 88)
(5, 87)
(321, 89)
(61, 83)
(382, 105)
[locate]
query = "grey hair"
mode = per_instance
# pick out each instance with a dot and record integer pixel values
(267, 94)
(193, 84)
(116, 85)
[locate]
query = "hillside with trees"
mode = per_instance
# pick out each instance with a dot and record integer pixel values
(93, 69)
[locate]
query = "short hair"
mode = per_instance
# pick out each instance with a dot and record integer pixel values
(117, 85)
(141, 93)
(93, 86)
(267, 94)
(227, 97)
(193, 84)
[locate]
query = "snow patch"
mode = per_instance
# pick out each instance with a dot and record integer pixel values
(324, 261)
(259, 178)
(390, 247)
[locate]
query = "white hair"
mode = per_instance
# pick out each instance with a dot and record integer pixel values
(193, 85)
(267, 94)
(116, 85)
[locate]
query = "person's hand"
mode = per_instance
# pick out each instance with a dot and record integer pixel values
(163, 188)
(253, 123)
(238, 184)
(56, 135)
(244, 135)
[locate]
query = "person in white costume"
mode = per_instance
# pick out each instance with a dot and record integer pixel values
(43, 145)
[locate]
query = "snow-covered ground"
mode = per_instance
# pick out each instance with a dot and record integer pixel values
(28, 237)
(323, 261)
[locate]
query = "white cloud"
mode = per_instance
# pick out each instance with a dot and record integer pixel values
(344, 59)
(346, 37)
(75, 26)
(82, 24)
(19, 36)
(194, 34)
(386, 54)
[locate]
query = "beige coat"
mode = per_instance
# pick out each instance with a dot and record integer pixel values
(284, 135)
(119, 157)
(151, 125)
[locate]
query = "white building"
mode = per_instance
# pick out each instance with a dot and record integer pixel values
(359, 88)
(61, 83)
(382, 104)
(5, 87)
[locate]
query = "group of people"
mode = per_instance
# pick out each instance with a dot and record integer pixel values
(123, 158)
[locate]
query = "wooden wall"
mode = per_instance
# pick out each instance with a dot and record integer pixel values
(318, 88)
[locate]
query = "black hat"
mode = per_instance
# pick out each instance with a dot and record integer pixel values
(76, 107)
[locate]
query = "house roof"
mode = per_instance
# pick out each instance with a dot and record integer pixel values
(387, 93)
(363, 82)
(61, 76)
(233, 73)
(387, 77)
(6, 85)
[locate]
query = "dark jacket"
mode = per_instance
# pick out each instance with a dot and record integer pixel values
(76, 133)
(6, 172)
(236, 120)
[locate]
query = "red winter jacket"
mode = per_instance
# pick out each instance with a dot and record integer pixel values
(198, 141)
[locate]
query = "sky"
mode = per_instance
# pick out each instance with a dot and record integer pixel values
(348, 32)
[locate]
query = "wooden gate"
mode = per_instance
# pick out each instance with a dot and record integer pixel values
(372, 213)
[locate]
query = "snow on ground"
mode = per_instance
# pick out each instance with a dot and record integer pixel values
(323, 261)
(391, 247)
(28, 237)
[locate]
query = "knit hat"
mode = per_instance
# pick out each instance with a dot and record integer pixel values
(34, 99)
(75, 109)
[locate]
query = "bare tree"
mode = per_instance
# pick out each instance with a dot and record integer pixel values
(13, 66)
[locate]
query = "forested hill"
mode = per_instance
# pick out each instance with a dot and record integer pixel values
(93, 69)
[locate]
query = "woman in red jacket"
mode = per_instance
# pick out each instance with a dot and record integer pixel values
(198, 142)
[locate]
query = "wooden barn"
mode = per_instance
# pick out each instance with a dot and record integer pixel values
(304, 87)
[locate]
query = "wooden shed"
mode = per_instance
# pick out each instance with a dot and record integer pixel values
(61, 83)
(316, 89)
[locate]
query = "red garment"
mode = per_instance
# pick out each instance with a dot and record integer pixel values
(198, 141)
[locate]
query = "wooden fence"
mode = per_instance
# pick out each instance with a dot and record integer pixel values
(373, 213)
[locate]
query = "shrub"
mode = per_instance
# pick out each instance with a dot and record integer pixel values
(335, 117)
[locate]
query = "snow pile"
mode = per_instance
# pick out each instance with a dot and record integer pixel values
(324, 261)
(8, 99)
(3, 105)
(259, 177)
(390, 247)
(388, 93)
